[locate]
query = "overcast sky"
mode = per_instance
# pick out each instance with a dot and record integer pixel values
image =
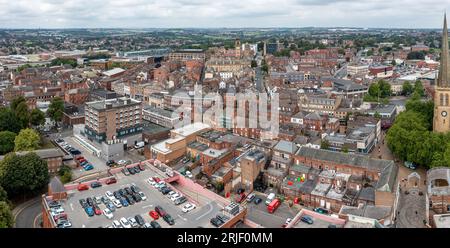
(221, 13)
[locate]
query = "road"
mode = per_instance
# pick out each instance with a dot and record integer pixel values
(27, 214)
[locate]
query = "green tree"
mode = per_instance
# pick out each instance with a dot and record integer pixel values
(56, 109)
(27, 140)
(6, 142)
(8, 121)
(407, 88)
(418, 87)
(16, 101)
(37, 117)
(3, 195)
(23, 174)
(324, 144)
(65, 172)
(6, 216)
(416, 55)
(23, 114)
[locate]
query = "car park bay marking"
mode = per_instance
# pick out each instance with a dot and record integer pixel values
(182, 218)
(147, 206)
(71, 206)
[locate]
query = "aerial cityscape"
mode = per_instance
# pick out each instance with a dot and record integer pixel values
(231, 118)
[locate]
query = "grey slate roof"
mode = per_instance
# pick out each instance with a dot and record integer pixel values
(56, 185)
(286, 146)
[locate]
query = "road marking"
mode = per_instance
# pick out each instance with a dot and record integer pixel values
(71, 206)
(209, 211)
(182, 218)
(147, 206)
(35, 219)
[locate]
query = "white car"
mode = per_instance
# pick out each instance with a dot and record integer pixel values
(117, 203)
(125, 222)
(116, 224)
(150, 181)
(133, 222)
(143, 197)
(109, 195)
(109, 215)
(175, 196)
(171, 193)
(147, 225)
(188, 207)
(121, 162)
(189, 174)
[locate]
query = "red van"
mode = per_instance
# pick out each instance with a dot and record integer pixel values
(273, 205)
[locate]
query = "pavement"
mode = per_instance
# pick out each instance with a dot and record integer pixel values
(197, 217)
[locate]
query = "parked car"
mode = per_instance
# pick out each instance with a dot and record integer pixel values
(257, 200)
(307, 219)
(321, 210)
(142, 195)
(89, 211)
(139, 220)
(216, 222)
(410, 165)
(130, 199)
(97, 200)
(160, 210)
(189, 174)
(180, 200)
(169, 219)
(131, 170)
(109, 195)
(125, 172)
(111, 206)
(154, 215)
(135, 188)
(117, 203)
(88, 167)
(95, 185)
(165, 190)
(90, 201)
(251, 197)
(124, 202)
(82, 187)
(83, 203)
(188, 207)
(109, 215)
(125, 222)
(132, 222)
(155, 224)
(110, 163)
(222, 218)
(116, 224)
(110, 181)
(97, 210)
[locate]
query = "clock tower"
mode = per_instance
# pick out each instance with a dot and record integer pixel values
(441, 120)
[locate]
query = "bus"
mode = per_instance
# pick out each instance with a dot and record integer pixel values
(273, 205)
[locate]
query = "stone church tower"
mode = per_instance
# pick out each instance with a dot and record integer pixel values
(441, 120)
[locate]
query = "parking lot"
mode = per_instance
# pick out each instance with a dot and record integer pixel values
(199, 216)
(259, 214)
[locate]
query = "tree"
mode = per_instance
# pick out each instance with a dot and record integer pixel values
(324, 144)
(56, 109)
(27, 140)
(418, 87)
(6, 216)
(8, 121)
(407, 88)
(37, 117)
(3, 195)
(416, 55)
(22, 114)
(16, 101)
(65, 172)
(23, 174)
(6, 142)
(254, 63)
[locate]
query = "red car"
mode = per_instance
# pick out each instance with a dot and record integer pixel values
(156, 179)
(82, 187)
(97, 210)
(110, 181)
(80, 158)
(154, 214)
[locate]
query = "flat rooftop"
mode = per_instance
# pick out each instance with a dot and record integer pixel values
(442, 220)
(191, 129)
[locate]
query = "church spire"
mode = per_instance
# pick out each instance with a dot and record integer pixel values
(443, 79)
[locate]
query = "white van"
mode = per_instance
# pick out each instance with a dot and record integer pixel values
(270, 198)
(139, 145)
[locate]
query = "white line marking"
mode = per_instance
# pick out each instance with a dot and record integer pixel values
(209, 211)
(182, 218)
(147, 206)
(71, 206)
